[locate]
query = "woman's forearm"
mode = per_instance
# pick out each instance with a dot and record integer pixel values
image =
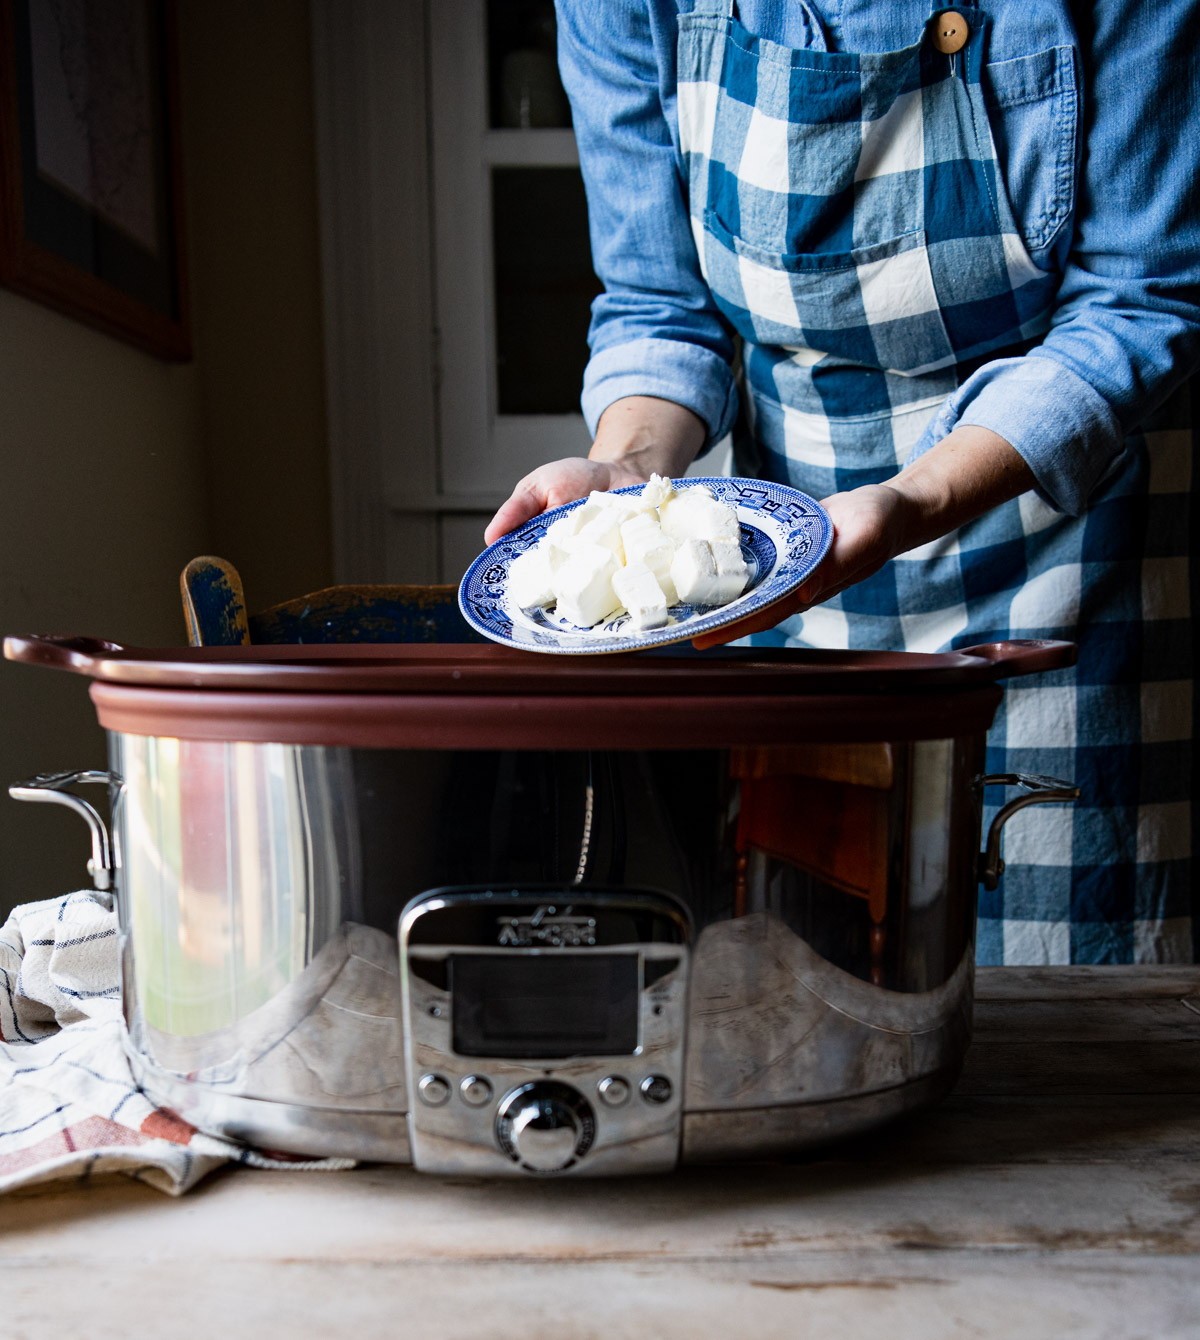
(967, 473)
(642, 435)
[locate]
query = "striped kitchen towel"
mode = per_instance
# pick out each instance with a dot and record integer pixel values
(69, 1106)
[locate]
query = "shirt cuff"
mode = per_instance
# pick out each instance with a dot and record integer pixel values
(1064, 429)
(688, 374)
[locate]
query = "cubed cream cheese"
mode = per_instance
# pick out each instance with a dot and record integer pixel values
(531, 575)
(584, 584)
(637, 589)
(645, 543)
(657, 490)
(642, 552)
(694, 514)
(603, 529)
(694, 572)
(732, 572)
(572, 522)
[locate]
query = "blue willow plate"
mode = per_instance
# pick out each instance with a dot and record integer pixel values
(785, 534)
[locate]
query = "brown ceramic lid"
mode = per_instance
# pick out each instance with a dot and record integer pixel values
(548, 721)
(473, 697)
(473, 669)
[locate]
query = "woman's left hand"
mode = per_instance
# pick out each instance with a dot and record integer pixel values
(970, 471)
(869, 527)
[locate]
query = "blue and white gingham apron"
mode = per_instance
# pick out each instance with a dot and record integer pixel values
(854, 228)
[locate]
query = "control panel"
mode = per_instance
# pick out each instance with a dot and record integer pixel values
(544, 1029)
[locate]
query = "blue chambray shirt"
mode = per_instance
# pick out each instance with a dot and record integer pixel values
(1118, 222)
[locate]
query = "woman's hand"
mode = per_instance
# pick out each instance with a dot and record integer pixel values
(970, 471)
(869, 527)
(557, 483)
(636, 437)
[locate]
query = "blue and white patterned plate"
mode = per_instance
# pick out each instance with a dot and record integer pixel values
(785, 534)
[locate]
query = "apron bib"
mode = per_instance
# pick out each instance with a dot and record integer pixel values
(852, 223)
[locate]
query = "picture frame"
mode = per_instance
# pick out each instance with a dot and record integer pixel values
(91, 176)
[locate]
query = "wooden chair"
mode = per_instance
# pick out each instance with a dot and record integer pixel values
(214, 606)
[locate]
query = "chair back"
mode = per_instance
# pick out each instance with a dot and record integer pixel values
(214, 606)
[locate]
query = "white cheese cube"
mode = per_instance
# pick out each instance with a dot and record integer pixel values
(622, 506)
(531, 575)
(694, 514)
(657, 491)
(645, 543)
(584, 585)
(558, 532)
(694, 572)
(603, 529)
(641, 595)
(694, 491)
(732, 572)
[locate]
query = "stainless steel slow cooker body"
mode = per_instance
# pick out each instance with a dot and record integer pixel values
(587, 960)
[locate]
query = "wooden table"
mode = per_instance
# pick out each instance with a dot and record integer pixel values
(1055, 1193)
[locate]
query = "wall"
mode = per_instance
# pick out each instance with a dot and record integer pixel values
(248, 117)
(116, 468)
(102, 501)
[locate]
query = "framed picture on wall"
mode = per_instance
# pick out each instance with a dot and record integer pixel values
(91, 198)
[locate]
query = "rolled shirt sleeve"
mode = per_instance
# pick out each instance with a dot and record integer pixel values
(655, 329)
(1126, 326)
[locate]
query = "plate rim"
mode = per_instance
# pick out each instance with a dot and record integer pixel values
(655, 637)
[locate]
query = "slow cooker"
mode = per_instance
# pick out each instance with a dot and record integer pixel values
(498, 913)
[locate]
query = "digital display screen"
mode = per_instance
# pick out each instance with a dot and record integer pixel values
(534, 1006)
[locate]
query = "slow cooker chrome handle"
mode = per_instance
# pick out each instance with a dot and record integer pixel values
(55, 789)
(1039, 791)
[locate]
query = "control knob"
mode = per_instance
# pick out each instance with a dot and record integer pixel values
(545, 1126)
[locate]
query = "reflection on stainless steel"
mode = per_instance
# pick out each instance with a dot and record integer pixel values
(830, 889)
(771, 1022)
(294, 1127)
(331, 1037)
(749, 1132)
(55, 788)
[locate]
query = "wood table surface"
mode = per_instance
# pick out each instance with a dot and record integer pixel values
(1055, 1193)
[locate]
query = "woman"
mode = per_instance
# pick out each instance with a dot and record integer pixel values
(957, 253)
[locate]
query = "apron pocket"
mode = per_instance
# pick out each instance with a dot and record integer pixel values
(873, 305)
(773, 137)
(1033, 109)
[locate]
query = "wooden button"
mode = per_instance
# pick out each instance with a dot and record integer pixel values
(950, 32)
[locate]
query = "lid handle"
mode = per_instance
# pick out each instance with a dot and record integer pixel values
(59, 653)
(1025, 655)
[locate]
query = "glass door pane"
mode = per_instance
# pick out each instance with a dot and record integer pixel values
(524, 89)
(544, 288)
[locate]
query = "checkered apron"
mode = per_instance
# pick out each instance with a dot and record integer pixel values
(854, 229)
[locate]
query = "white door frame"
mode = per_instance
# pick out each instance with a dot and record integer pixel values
(404, 155)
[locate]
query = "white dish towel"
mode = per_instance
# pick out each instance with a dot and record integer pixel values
(69, 1106)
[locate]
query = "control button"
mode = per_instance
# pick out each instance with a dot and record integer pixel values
(545, 1126)
(434, 1090)
(613, 1090)
(476, 1090)
(950, 32)
(656, 1089)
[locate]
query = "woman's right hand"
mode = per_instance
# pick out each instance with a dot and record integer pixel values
(637, 436)
(557, 483)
